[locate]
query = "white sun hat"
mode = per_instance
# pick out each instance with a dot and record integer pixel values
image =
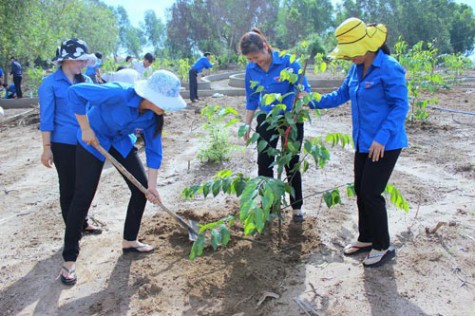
(126, 75)
(162, 88)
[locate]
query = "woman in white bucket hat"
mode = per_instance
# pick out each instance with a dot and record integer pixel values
(116, 112)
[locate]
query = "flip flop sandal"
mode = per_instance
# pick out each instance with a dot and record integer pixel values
(93, 231)
(139, 249)
(298, 218)
(357, 247)
(379, 258)
(68, 281)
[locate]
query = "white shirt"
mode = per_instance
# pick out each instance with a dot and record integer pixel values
(143, 72)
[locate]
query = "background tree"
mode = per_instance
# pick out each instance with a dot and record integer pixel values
(155, 30)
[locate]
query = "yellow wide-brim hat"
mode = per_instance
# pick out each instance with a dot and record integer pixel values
(355, 38)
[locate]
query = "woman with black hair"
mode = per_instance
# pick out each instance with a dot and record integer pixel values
(57, 122)
(265, 66)
(117, 111)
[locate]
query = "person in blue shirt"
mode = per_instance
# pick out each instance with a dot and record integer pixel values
(264, 67)
(58, 125)
(17, 76)
(117, 111)
(1, 75)
(199, 65)
(10, 92)
(94, 71)
(376, 87)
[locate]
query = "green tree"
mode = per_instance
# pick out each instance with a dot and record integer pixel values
(155, 30)
(462, 32)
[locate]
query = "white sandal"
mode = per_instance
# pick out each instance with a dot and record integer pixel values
(357, 247)
(378, 257)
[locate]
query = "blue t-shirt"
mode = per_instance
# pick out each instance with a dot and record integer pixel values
(201, 63)
(379, 103)
(90, 71)
(56, 115)
(272, 83)
(114, 116)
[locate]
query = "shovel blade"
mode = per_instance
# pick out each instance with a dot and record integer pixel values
(193, 230)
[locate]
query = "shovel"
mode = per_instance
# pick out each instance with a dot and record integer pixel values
(192, 226)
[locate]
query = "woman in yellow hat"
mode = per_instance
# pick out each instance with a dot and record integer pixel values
(377, 89)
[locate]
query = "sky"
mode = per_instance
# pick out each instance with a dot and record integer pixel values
(137, 8)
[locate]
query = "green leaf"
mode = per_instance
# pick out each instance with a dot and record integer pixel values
(197, 248)
(261, 145)
(225, 235)
(206, 188)
(243, 129)
(350, 190)
(249, 229)
(216, 187)
(215, 238)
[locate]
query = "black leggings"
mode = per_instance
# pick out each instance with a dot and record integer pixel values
(193, 79)
(88, 171)
(64, 158)
(264, 161)
(371, 179)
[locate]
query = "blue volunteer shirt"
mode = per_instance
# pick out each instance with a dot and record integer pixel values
(93, 70)
(201, 63)
(10, 90)
(379, 103)
(16, 69)
(114, 116)
(56, 115)
(272, 82)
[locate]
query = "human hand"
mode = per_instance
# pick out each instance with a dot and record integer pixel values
(301, 95)
(376, 151)
(89, 137)
(47, 157)
(154, 196)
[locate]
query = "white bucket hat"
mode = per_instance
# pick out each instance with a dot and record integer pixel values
(126, 75)
(162, 88)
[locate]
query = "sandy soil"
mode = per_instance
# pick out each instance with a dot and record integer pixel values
(433, 273)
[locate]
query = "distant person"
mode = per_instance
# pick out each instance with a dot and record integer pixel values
(129, 62)
(144, 67)
(58, 125)
(125, 75)
(17, 76)
(10, 91)
(1, 76)
(94, 71)
(376, 87)
(200, 64)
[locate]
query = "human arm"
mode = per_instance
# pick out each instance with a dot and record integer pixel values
(47, 109)
(154, 196)
(252, 103)
(395, 99)
(248, 120)
(88, 135)
(47, 155)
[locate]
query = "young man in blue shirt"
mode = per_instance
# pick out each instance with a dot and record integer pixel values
(17, 76)
(200, 64)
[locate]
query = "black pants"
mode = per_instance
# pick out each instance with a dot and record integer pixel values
(88, 173)
(193, 79)
(64, 157)
(17, 83)
(264, 160)
(371, 179)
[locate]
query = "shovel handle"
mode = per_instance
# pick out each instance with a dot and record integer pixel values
(139, 185)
